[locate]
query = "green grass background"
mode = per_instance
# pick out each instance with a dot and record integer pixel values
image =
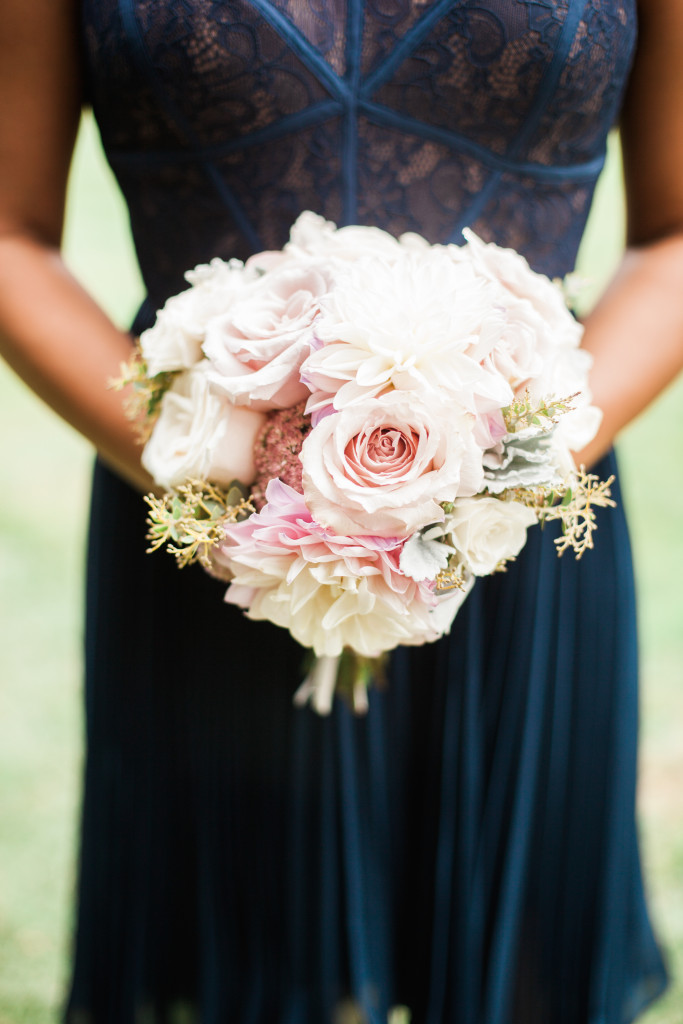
(44, 486)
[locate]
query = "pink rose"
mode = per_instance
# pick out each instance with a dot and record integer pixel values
(257, 348)
(382, 467)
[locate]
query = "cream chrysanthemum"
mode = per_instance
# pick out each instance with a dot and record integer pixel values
(422, 322)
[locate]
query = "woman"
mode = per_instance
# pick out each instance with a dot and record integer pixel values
(469, 848)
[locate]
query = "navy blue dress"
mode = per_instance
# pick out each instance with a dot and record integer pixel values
(468, 849)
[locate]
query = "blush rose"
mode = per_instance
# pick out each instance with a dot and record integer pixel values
(382, 467)
(256, 349)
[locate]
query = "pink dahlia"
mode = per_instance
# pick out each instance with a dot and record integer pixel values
(329, 591)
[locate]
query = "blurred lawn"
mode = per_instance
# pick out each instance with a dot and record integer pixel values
(42, 522)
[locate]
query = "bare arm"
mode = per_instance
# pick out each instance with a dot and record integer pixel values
(636, 331)
(63, 345)
(51, 331)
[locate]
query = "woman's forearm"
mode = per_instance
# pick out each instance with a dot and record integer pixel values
(66, 349)
(635, 335)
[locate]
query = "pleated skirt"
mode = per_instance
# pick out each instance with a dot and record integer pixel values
(468, 849)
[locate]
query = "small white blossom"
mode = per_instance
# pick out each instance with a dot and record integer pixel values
(201, 435)
(487, 531)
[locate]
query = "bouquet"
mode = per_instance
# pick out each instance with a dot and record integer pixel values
(352, 429)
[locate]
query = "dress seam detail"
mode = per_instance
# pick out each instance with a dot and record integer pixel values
(134, 31)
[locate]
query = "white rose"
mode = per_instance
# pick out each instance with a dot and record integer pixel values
(411, 240)
(174, 341)
(312, 235)
(524, 344)
(381, 467)
(487, 531)
(201, 435)
(511, 270)
(565, 374)
(169, 344)
(264, 262)
(578, 428)
(539, 349)
(256, 349)
(539, 346)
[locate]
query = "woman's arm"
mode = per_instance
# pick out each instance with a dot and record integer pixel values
(636, 331)
(51, 331)
(64, 346)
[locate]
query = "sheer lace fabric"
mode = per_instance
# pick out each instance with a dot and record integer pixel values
(223, 119)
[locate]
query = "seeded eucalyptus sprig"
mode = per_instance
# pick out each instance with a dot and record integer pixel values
(522, 413)
(191, 520)
(576, 511)
(450, 579)
(573, 504)
(144, 401)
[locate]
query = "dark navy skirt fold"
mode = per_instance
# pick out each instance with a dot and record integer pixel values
(467, 849)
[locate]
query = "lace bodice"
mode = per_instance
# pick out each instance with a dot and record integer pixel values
(223, 119)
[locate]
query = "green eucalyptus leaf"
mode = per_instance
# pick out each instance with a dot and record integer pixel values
(214, 508)
(235, 494)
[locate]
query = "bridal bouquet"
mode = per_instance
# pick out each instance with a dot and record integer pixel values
(352, 429)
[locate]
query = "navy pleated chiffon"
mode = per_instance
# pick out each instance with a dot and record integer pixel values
(468, 849)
